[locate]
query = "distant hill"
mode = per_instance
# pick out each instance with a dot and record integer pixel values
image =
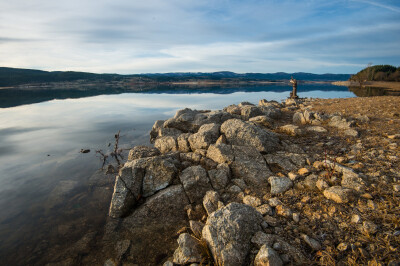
(377, 73)
(16, 76)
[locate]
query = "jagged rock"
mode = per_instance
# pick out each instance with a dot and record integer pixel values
(353, 181)
(191, 157)
(240, 183)
(189, 250)
(220, 177)
(317, 129)
(267, 256)
(321, 184)
(264, 209)
(261, 238)
(298, 118)
(308, 116)
(183, 142)
(233, 109)
(271, 112)
(127, 189)
(241, 133)
(210, 201)
(281, 160)
(206, 135)
(314, 244)
(291, 130)
(242, 104)
(195, 183)
(273, 202)
(221, 139)
(264, 102)
(234, 189)
(196, 227)
(249, 111)
(142, 152)
(340, 123)
(169, 132)
(154, 224)
(228, 232)
(154, 131)
(351, 133)
(338, 194)
(284, 211)
(250, 166)
(279, 184)
(158, 173)
(166, 144)
(195, 213)
(252, 201)
(220, 153)
(355, 218)
(262, 120)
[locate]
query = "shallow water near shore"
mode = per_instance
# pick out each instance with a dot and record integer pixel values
(49, 195)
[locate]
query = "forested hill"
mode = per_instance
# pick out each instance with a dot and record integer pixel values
(378, 73)
(16, 76)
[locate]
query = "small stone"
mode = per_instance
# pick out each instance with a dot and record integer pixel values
(305, 199)
(221, 139)
(189, 250)
(314, 244)
(291, 130)
(351, 133)
(267, 256)
(264, 209)
(396, 188)
(168, 263)
(271, 220)
(110, 262)
(338, 194)
(196, 227)
(279, 184)
(277, 246)
(234, 189)
(293, 176)
(240, 183)
(284, 211)
(273, 202)
(252, 201)
(396, 136)
(317, 129)
(210, 201)
(322, 184)
(318, 165)
(296, 217)
(369, 227)
(371, 204)
(285, 258)
(342, 247)
(355, 218)
(303, 171)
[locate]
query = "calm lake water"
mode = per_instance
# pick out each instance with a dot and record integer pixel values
(47, 196)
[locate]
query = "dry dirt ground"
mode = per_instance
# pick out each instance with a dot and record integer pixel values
(375, 155)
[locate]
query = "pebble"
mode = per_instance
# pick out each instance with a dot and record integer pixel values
(369, 227)
(303, 171)
(342, 247)
(396, 136)
(296, 217)
(355, 218)
(293, 176)
(396, 188)
(252, 201)
(273, 202)
(314, 244)
(322, 184)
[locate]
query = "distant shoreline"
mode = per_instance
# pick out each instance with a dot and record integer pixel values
(375, 84)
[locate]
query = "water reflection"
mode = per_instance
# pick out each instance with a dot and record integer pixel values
(374, 91)
(49, 196)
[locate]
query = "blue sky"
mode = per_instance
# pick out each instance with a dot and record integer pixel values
(131, 36)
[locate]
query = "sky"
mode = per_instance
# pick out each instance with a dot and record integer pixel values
(157, 36)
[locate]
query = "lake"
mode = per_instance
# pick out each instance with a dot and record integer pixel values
(51, 194)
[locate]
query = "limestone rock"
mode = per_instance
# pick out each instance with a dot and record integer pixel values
(189, 250)
(250, 166)
(314, 244)
(280, 159)
(340, 123)
(369, 227)
(220, 153)
(228, 232)
(317, 129)
(142, 152)
(220, 177)
(252, 201)
(351, 132)
(206, 135)
(291, 130)
(154, 131)
(260, 239)
(183, 142)
(249, 111)
(196, 227)
(264, 209)
(267, 256)
(262, 120)
(233, 109)
(321, 184)
(279, 184)
(166, 144)
(127, 189)
(210, 201)
(241, 133)
(338, 194)
(195, 183)
(298, 118)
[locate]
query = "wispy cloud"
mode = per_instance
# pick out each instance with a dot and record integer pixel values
(378, 4)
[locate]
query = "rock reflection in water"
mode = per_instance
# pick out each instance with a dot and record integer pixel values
(374, 91)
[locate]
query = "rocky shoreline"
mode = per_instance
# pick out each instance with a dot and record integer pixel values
(274, 184)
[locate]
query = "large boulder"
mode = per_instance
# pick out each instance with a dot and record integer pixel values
(142, 152)
(249, 111)
(242, 133)
(207, 134)
(166, 144)
(127, 189)
(195, 182)
(228, 232)
(153, 225)
(221, 153)
(250, 166)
